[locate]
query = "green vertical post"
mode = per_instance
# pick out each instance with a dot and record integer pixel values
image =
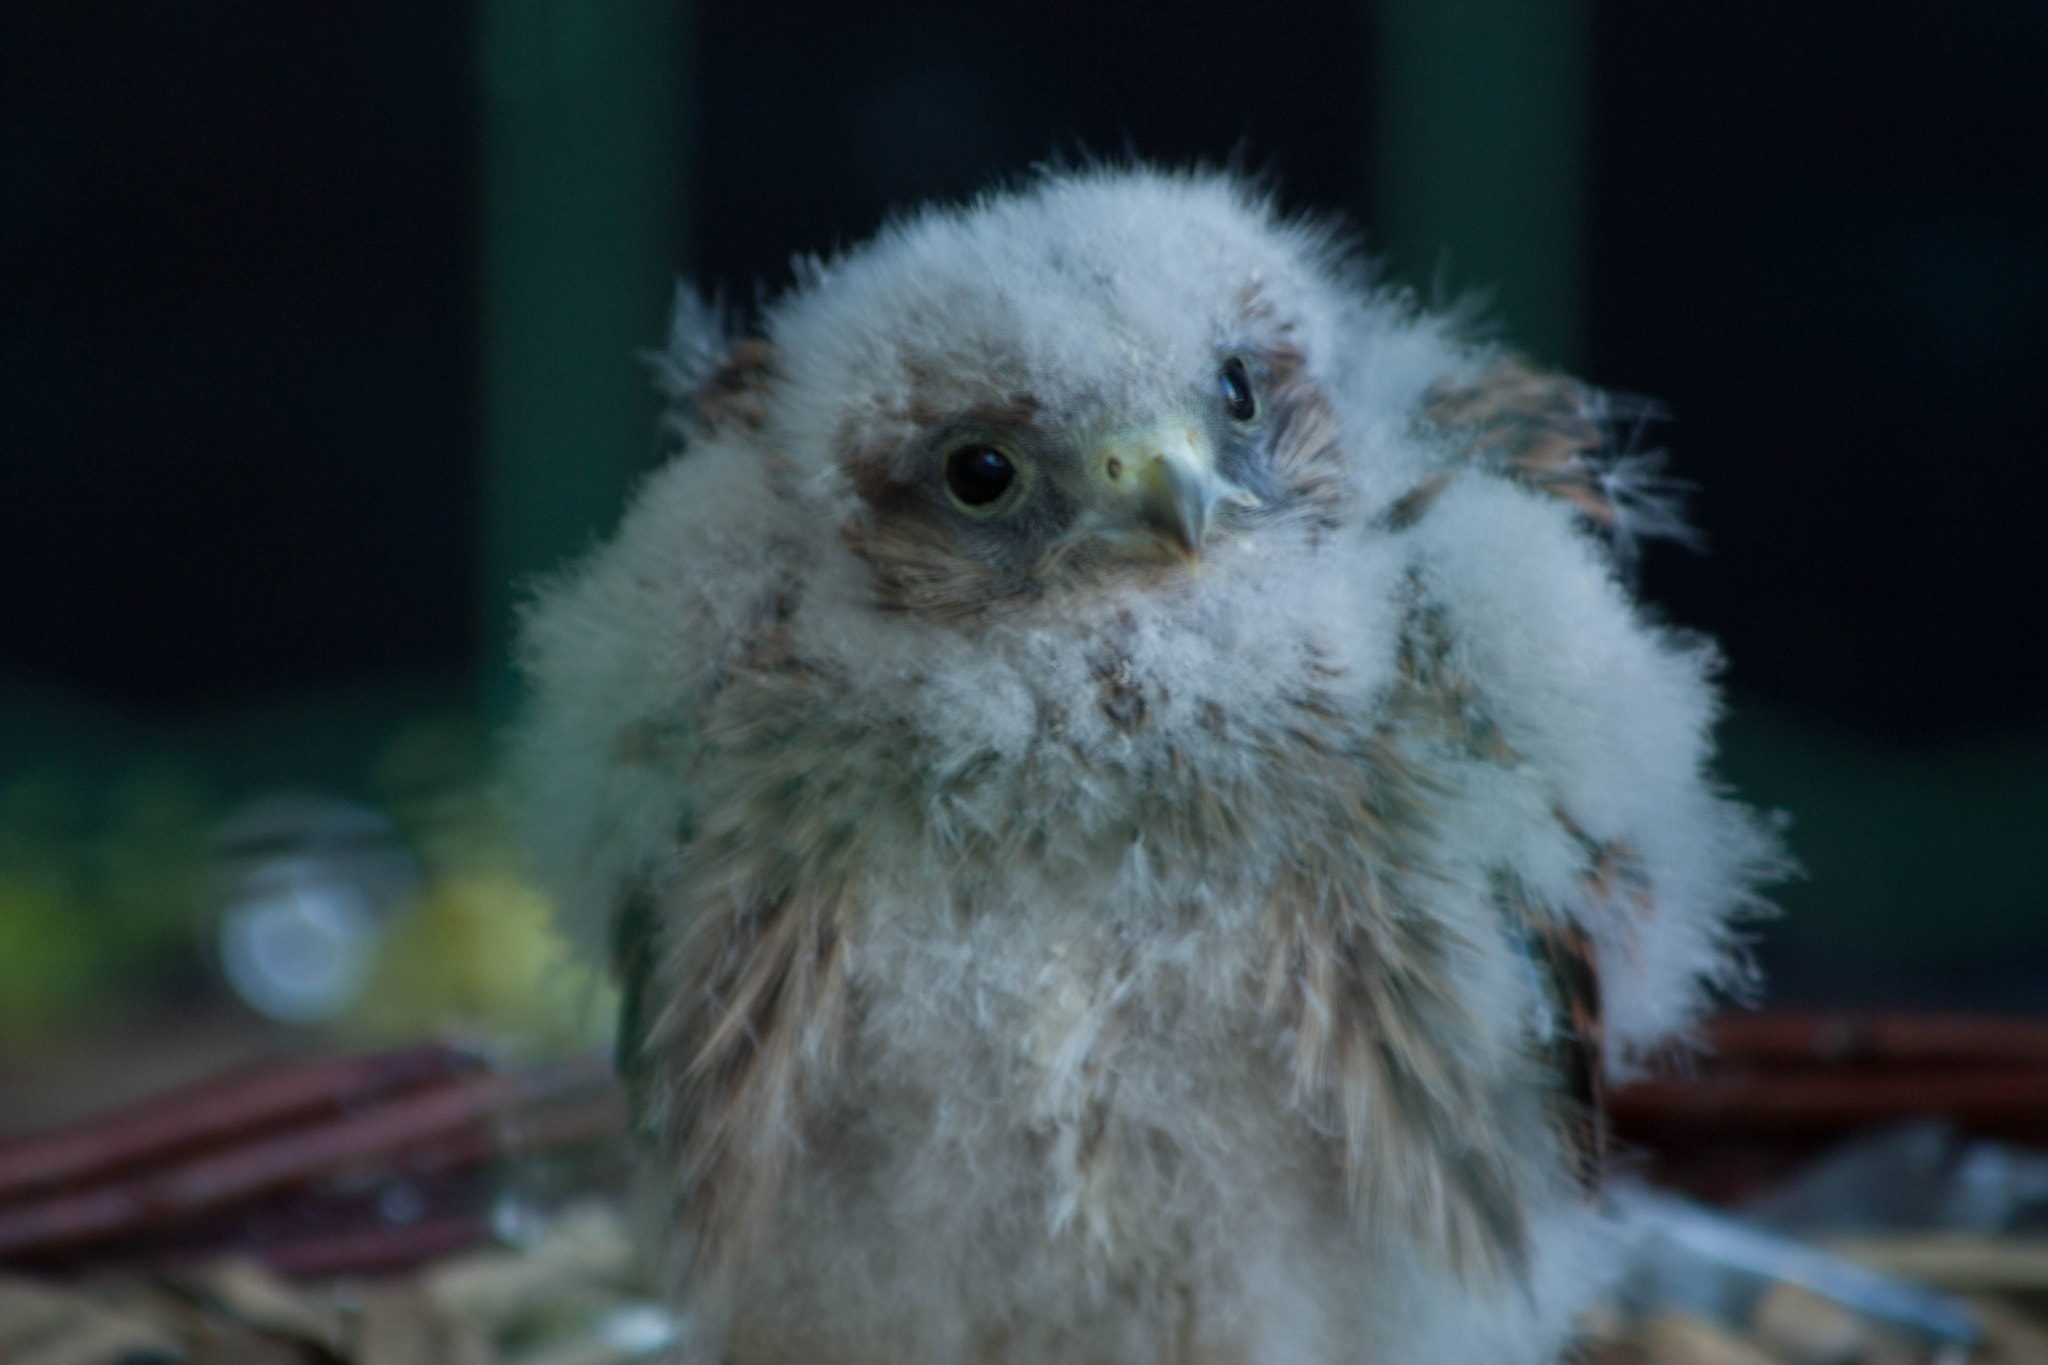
(584, 163)
(1481, 156)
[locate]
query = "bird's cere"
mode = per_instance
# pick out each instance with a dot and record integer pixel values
(1155, 489)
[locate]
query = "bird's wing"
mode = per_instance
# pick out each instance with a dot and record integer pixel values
(1439, 703)
(1381, 1030)
(1551, 432)
(1542, 427)
(625, 653)
(1510, 649)
(734, 960)
(1390, 1060)
(754, 1008)
(712, 381)
(1388, 1050)
(1569, 969)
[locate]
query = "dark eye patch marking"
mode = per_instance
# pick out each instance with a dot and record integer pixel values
(948, 538)
(1292, 460)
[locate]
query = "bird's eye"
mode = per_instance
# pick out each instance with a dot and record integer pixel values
(1240, 400)
(977, 476)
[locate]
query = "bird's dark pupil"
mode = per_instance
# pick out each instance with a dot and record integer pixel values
(978, 475)
(1238, 399)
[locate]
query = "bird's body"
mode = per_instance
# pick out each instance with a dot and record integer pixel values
(1110, 758)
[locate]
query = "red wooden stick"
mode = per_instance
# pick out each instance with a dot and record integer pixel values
(223, 1178)
(1820, 1099)
(213, 1110)
(1812, 1036)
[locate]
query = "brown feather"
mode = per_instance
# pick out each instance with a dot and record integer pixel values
(754, 981)
(1384, 1054)
(1381, 1057)
(758, 991)
(1308, 451)
(735, 393)
(1572, 973)
(1434, 698)
(1540, 427)
(1537, 424)
(1440, 701)
(920, 568)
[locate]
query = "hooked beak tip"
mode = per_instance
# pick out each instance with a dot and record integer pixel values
(1175, 507)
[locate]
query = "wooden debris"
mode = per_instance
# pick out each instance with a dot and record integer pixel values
(1774, 1088)
(1674, 1338)
(493, 1287)
(1802, 1037)
(277, 1140)
(43, 1324)
(575, 1294)
(203, 1114)
(1961, 1261)
(1800, 1327)
(1679, 1339)
(251, 1293)
(398, 1325)
(233, 1223)
(2011, 1335)
(571, 1295)
(1983, 1098)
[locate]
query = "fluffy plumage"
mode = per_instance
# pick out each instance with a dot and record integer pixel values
(1181, 907)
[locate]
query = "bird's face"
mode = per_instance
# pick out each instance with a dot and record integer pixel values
(1067, 409)
(1147, 492)
(997, 503)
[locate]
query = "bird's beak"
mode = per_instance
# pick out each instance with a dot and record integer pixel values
(1157, 485)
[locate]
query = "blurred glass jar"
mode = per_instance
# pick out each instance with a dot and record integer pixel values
(304, 885)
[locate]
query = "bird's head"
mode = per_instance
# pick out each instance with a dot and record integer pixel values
(1104, 379)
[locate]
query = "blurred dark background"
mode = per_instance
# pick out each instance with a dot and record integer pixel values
(247, 351)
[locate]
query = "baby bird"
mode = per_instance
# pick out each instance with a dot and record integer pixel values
(1130, 802)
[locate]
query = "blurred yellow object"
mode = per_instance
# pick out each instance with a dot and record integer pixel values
(478, 954)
